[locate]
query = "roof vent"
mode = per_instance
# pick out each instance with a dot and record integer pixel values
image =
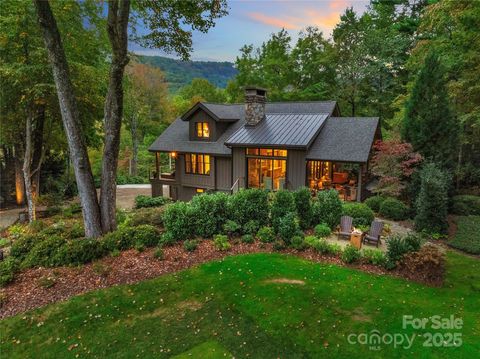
(255, 98)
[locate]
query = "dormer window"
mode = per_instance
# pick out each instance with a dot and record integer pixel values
(203, 130)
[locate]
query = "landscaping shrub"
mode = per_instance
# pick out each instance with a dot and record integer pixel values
(251, 227)
(322, 230)
(158, 253)
(178, 220)
(249, 204)
(36, 226)
(298, 243)
(266, 235)
(432, 201)
(146, 235)
(247, 238)
(360, 212)
(8, 267)
(413, 241)
(394, 209)
(44, 253)
(209, 213)
(23, 245)
(142, 201)
(72, 210)
(278, 245)
(303, 206)
(231, 228)
(128, 237)
(221, 242)
(466, 205)
(79, 251)
(282, 204)
(374, 256)
(153, 216)
(288, 227)
(310, 240)
(327, 208)
(427, 264)
(374, 202)
(350, 254)
(467, 237)
(167, 239)
(190, 245)
(398, 246)
(320, 245)
(75, 230)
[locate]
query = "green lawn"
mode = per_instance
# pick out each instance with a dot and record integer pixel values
(233, 307)
(467, 237)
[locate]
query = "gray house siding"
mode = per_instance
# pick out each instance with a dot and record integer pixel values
(216, 128)
(239, 166)
(197, 181)
(223, 173)
(296, 169)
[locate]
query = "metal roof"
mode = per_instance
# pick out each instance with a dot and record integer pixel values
(296, 130)
(344, 139)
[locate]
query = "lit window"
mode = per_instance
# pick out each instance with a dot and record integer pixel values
(202, 129)
(200, 190)
(197, 164)
(266, 168)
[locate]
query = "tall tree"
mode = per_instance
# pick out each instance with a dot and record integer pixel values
(117, 26)
(166, 21)
(429, 124)
(145, 105)
(351, 59)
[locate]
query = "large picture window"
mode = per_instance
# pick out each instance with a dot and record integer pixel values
(202, 129)
(198, 164)
(266, 168)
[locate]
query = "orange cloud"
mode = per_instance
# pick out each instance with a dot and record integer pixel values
(338, 4)
(273, 21)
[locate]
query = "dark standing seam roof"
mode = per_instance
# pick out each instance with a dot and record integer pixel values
(345, 139)
(287, 129)
(176, 136)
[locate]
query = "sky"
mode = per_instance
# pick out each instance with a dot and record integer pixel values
(252, 22)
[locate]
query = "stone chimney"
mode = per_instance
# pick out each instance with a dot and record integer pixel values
(255, 98)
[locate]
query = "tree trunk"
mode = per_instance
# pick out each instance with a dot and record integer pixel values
(71, 119)
(134, 134)
(27, 163)
(117, 25)
(19, 182)
(38, 148)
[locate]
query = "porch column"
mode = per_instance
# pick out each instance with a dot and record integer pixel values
(359, 187)
(157, 165)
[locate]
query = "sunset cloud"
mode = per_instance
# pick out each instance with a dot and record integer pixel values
(272, 21)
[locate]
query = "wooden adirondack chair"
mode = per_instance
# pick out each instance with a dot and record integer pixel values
(346, 227)
(374, 234)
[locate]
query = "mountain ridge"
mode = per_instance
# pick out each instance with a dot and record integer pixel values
(180, 73)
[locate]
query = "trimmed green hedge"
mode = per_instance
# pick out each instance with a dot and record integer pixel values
(360, 212)
(392, 208)
(142, 201)
(467, 237)
(375, 202)
(327, 208)
(465, 205)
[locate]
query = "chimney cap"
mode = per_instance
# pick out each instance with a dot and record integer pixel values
(257, 89)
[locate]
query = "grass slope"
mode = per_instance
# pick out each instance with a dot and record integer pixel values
(232, 307)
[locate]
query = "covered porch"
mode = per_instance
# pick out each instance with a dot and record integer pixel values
(347, 178)
(163, 179)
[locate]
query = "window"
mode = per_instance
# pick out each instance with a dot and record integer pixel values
(266, 168)
(198, 164)
(202, 129)
(199, 190)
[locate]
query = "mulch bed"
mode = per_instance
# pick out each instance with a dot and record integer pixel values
(27, 291)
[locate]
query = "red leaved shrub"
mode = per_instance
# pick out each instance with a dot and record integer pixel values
(426, 265)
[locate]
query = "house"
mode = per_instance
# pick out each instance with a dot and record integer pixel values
(258, 144)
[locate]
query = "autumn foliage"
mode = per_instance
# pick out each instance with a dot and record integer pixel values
(393, 162)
